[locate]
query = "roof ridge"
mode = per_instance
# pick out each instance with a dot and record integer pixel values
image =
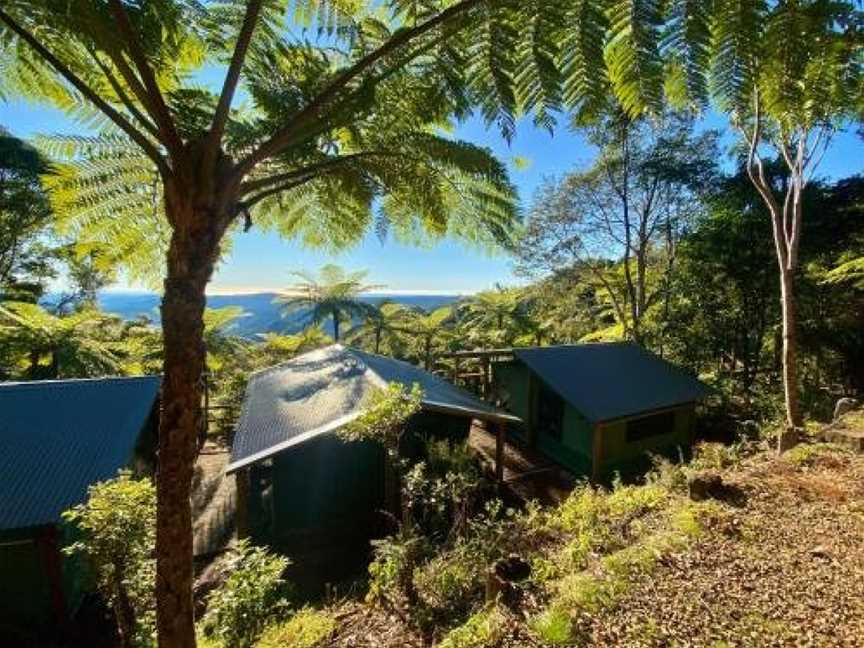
(280, 365)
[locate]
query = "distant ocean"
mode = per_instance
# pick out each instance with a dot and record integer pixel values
(261, 314)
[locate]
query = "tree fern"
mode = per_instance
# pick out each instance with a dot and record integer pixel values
(632, 54)
(538, 77)
(585, 79)
(492, 64)
(686, 48)
(105, 193)
(737, 28)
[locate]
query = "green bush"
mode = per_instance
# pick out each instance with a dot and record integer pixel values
(441, 506)
(444, 456)
(252, 596)
(306, 629)
(116, 528)
(714, 456)
(449, 583)
(553, 627)
(485, 628)
(391, 570)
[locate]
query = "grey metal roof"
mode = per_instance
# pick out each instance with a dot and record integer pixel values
(59, 436)
(609, 381)
(321, 391)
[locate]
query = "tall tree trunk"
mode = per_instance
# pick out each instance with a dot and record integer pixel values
(194, 247)
(335, 327)
(790, 349)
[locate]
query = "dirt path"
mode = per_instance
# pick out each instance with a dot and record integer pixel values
(213, 501)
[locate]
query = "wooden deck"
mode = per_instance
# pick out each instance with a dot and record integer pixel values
(526, 472)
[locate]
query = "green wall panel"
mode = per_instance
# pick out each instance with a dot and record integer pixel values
(325, 482)
(626, 457)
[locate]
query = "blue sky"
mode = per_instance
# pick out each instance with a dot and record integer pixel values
(264, 261)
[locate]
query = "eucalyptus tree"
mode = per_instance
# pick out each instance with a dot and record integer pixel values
(334, 294)
(336, 126)
(630, 207)
(329, 131)
(794, 85)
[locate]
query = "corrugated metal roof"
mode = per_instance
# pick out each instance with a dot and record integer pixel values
(321, 391)
(59, 436)
(609, 381)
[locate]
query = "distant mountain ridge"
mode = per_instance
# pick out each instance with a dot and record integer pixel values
(261, 314)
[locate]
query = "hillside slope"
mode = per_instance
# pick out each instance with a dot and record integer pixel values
(772, 556)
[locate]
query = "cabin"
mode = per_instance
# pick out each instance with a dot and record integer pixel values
(57, 437)
(596, 409)
(300, 488)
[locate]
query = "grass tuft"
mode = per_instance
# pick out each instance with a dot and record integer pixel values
(484, 628)
(553, 627)
(306, 629)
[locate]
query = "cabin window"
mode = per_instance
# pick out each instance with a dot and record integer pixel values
(550, 413)
(648, 427)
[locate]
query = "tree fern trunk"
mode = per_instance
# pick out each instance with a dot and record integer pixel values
(194, 246)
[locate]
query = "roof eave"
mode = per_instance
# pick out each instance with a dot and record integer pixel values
(335, 424)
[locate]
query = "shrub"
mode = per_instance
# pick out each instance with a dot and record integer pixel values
(714, 456)
(444, 456)
(391, 571)
(449, 583)
(553, 627)
(117, 530)
(667, 474)
(306, 629)
(252, 596)
(441, 506)
(485, 628)
(628, 501)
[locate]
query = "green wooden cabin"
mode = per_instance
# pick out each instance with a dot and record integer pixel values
(598, 408)
(58, 437)
(304, 491)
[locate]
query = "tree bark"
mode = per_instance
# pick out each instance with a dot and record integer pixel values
(193, 250)
(790, 350)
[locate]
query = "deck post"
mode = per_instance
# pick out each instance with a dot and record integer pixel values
(500, 438)
(241, 515)
(486, 378)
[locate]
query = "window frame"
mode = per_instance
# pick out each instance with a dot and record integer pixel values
(654, 425)
(549, 395)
